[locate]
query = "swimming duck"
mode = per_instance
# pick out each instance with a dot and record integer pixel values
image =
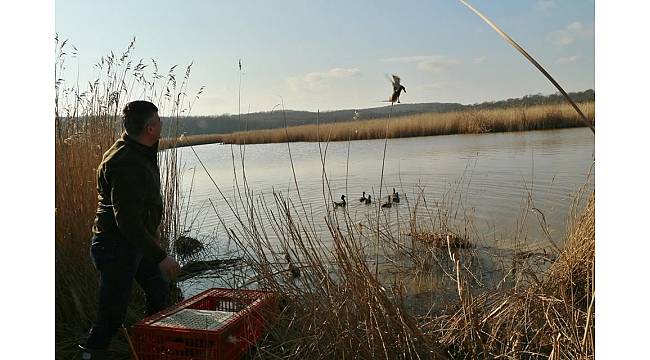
(363, 198)
(368, 201)
(397, 89)
(340, 203)
(295, 271)
(395, 196)
(389, 203)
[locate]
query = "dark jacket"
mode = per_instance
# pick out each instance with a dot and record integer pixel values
(129, 200)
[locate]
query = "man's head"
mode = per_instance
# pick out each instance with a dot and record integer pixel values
(141, 121)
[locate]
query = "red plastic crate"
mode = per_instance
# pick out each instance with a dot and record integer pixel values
(251, 309)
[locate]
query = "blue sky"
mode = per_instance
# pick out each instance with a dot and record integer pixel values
(336, 54)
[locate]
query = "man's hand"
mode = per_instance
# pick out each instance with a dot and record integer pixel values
(157, 236)
(169, 268)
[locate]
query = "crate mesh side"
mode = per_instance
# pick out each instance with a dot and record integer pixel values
(196, 319)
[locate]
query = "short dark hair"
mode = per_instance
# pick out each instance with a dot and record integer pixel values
(135, 116)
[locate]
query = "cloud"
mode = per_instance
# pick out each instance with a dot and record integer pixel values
(318, 80)
(480, 59)
(335, 73)
(431, 63)
(545, 5)
(568, 60)
(432, 86)
(570, 33)
(576, 26)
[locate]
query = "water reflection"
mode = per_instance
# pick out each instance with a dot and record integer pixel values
(493, 175)
(482, 186)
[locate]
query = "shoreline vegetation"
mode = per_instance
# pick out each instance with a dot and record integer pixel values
(87, 123)
(537, 117)
(339, 307)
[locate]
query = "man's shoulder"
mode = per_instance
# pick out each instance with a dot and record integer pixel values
(121, 156)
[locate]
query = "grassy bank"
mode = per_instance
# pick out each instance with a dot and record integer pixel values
(540, 117)
(343, 305)
(340, 307)
(87, 124)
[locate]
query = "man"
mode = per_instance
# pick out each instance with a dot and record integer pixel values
(125, 238)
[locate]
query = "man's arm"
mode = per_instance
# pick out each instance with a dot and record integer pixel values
(128, 187)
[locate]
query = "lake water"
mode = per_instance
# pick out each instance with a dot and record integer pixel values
(491, 175)
(487, 183)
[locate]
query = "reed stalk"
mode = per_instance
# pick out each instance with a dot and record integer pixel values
(539, 67)
(539, 117)
(87, 123)
(341, 305)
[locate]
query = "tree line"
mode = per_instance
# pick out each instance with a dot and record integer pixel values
(228, 123)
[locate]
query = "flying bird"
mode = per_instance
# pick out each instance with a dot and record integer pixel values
(397, 89)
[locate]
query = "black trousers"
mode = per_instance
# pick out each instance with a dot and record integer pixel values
(118, 264)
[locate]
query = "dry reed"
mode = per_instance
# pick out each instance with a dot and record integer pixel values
(553, 319)
(337, 307)
(87, 124)
(539, 117)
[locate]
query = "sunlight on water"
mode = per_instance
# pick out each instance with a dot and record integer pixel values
(492, 174)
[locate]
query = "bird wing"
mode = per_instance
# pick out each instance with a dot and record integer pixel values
(396, 81)
(392, 81)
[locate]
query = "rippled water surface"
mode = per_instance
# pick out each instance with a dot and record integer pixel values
(491, 176)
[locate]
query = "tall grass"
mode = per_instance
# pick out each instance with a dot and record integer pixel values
(87, 124)
(339, 307)
(539, 117)
(532, 60)
(552, 318)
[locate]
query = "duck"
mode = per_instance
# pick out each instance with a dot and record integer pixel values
(340, 203)
(395, 196)
(295, 271)
(389, 203)
(397, 89)
(368, 200)
(363, 197)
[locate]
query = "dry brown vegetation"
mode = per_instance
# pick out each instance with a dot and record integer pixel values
(87, 124)
(190, 140)
(341, 306)
(552, 317)
(540, 117)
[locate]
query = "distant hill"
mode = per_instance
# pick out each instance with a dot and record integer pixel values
(223, 124)
(538, 99)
